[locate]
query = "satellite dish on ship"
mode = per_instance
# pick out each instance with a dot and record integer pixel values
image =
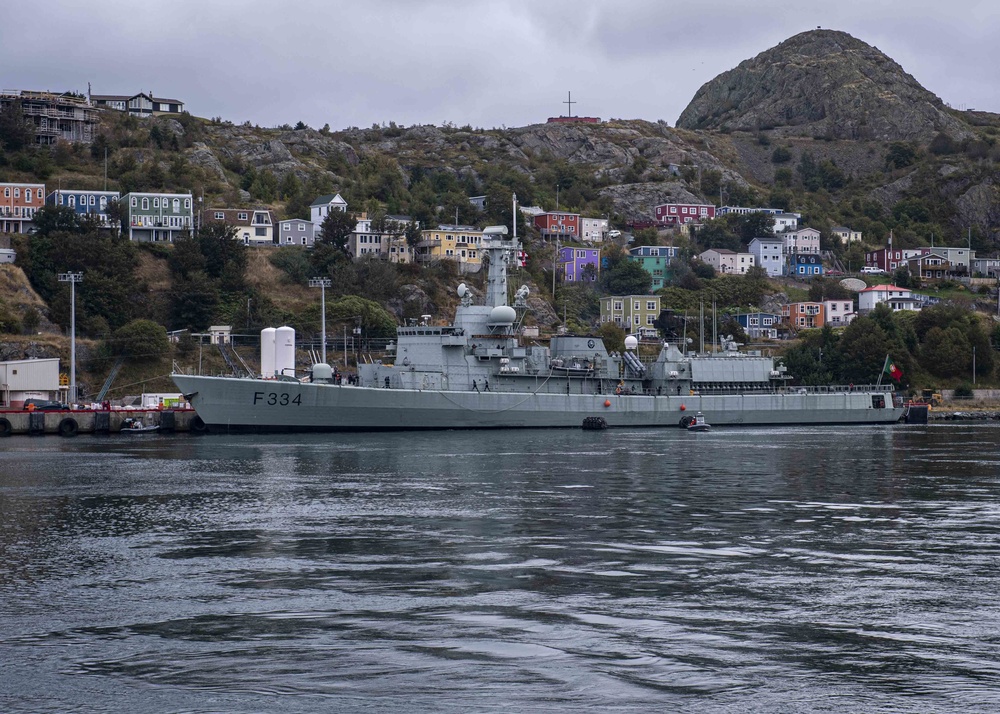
(463, 290)
(854, 284)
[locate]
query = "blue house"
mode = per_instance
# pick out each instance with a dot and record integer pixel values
(805, 265)
(760, 324)
(84, 201)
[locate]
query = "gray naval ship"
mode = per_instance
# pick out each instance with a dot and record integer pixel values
(478, 374)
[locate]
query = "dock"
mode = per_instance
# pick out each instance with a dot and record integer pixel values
(69, 423)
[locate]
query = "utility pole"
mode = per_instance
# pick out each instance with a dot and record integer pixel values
(555, 267)
(72, 279)
(322, 284)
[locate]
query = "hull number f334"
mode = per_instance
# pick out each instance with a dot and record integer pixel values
(280, 399)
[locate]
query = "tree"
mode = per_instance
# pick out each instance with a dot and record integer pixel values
(413, 234)
(373, 319)
(16, 132)
(613, 336)
(946, 352)
(627, 278)
(225, 257)
(336, 229)
(141, 339)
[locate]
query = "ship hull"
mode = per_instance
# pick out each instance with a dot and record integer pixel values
(255, 405)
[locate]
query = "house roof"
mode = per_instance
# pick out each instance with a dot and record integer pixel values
(883, 288)
(328, 199)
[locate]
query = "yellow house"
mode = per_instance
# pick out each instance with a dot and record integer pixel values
(463, 244)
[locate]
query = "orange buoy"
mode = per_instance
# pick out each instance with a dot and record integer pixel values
(607, 402)
(683, 407)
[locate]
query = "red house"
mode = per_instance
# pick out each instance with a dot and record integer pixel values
(562, 226)
(675, 214)
(18, 203)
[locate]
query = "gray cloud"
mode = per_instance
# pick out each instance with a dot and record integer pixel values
(482, 63)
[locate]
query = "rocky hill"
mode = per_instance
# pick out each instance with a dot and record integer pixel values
(822, 83)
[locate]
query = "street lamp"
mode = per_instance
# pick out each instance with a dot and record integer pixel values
(72, 279)
(322, 284)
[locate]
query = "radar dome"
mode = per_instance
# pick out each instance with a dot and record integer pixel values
(631, 342)
(502, 315)
(463, 290)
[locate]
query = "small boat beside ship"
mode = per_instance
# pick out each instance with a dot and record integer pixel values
(132, 425)
(478, 373)
(698, 423)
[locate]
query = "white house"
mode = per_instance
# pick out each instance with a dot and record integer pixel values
(895, 297)
(321, 207)
(846, 235)
(839, 312)
(767, 254)
(786, 222)
(593, 230)
(728, 262)
(805, 240)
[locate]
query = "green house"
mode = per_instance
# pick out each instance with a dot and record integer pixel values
(156, 217)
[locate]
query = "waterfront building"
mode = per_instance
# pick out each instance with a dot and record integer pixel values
(673, 214)
(84, 202)
(574, 261)
(18, 204)
(254, 226)
(636, 314)
(296, 231)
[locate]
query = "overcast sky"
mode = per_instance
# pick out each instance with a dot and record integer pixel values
(488, 63)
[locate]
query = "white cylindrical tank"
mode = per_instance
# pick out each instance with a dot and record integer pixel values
(267, 352)
(631, 342)
(284, 351)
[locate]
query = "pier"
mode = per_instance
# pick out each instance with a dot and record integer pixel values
(94, 421)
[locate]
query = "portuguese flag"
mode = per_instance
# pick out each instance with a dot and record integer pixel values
(891, 369)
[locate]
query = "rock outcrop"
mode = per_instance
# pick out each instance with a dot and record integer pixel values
(825, 84)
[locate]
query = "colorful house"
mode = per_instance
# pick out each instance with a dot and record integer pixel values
(574, 261)
(672, 214)
(84, 201)
(634, 313)
(759, 325)
(18, 204)
(156, 217)
(254, 226)
(451, 242)
(767, 253)
(655, 260)
(803, 315)
(558, 226)
(804, 265)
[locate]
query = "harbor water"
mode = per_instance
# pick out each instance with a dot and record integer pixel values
(741, 570)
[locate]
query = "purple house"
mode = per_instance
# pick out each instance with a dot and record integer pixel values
(575, 260)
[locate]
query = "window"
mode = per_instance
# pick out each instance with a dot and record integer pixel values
(635, 319)
(650, 319)
(241, 216)
(6, 192)
(618, 305)
(93, 200)
(104, 202)
(145, 204)
(156, 203)
(673, 209)
(260, 231)
(651, 304)
(303, 240)
(134, 202)
(27, 195)
(71, 201)
(302, 227)
(17, 193)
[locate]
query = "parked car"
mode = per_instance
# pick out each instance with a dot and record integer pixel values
(834, 272)
(44, 405)
(872, 270)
